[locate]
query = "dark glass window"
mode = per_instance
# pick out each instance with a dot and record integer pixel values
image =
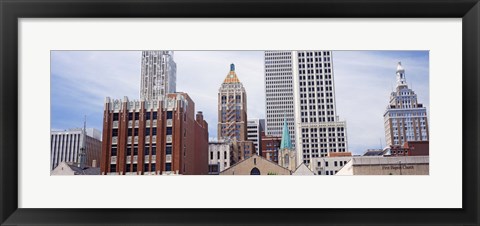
(136, 115)
(154, 131)
(129, 132)
(154, 150)
(129, 151)
(114, 152)
(146, 150)
(115, 116)
(168, 150)
(169, 130)
(134, 167)
(153, 167)
(135, 132)
(168, 166)
(113, 168)
(169, 114)
(114, 132)
(154, 115)
(145, 167)
(128, 168)
(147, 132)
(135, 151)
(147, 115)
(130, 116)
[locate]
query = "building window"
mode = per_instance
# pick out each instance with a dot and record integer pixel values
(326, 164)
(168, 166)
(154, 115)
(147, 132)
(146, 150)
(169, 130)
(114, 152)
(115, 116)
(154, 150)
(113, 168)
(134, 167)
(169, 150)
(128, 169)
(146, 168)
(147, 115)
(211, 155)
(114, 132)
(169, 114)
(153, 168)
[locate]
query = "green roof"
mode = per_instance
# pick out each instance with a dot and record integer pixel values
(286, 142)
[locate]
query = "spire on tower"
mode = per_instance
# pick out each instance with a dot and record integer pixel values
(286, 142)
(232, 67)
(401, 81)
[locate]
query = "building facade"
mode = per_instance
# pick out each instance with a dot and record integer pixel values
(219, 155)
(232, 109)
(65, 146)
(158, 75)
(256, 165)
(330, 165)
(405, 118)
(319, 130)
(300, 85)
(154, 137)
(279, 101)
(270, 147)
(378, 165)
(254, 133)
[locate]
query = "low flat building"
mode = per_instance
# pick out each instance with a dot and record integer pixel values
(330, 164)
(256, 165)
(379, 165)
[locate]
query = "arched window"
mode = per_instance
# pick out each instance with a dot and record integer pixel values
(255, 171)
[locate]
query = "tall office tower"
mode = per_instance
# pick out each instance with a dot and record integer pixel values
(299, 85)
(66, 146)
(159, 75)
(405, 119)
(319, 130)
(279, 93)
(232, 109)
(254, 133)
(154, 137)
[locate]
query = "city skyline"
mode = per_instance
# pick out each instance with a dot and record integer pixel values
(363, 80)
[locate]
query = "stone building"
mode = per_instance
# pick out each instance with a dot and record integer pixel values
(256, 165)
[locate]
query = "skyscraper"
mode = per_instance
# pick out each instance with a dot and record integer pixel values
(254, 132)
(300, 84)
(405, 119)
(279, 92)
(318, 127)
(232, 108)
(159, 75)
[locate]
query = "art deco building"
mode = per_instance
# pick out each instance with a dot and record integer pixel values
(279, 68)
(304, 81)
(232, 109)
(66, 145)
(158, 76)
(154, 137)
(405, 118)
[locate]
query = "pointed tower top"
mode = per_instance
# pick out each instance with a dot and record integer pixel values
(286, 142)
(231, 76)
(400, 67)
(401, 80)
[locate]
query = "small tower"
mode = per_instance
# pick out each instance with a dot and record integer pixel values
(401, 80)
(286, 155)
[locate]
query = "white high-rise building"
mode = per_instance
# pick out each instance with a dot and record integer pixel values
(65, 146)
(254, 130)
(300, 86)
(405, 119)
(279, 93)
(159, 75)
(319, 129)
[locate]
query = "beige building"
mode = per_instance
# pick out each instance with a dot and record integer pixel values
(256, 165)
(379, 165)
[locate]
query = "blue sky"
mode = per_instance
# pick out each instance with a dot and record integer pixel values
(80, 81)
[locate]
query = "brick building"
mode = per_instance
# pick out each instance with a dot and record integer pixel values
(154, 137)
(270, 147)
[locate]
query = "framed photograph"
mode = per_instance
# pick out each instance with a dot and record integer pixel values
(352, 113)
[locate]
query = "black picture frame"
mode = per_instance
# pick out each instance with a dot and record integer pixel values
(12, 10)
